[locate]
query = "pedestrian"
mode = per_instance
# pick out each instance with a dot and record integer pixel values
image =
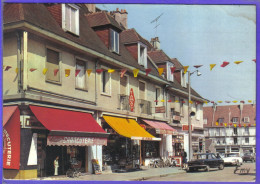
(56, 166)
(218, 156)
(184, 159)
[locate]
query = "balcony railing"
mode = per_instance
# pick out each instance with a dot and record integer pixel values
(145, 106)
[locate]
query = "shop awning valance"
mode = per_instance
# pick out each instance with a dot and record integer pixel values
(161, 128)
(70, 127)
(129, 128)
(11, 137)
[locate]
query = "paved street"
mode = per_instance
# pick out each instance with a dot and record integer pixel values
(226, 175)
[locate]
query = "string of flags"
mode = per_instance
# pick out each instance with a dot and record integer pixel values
(234, 124)
(204, 102)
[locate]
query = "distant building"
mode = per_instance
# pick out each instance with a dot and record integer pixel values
(231, 128)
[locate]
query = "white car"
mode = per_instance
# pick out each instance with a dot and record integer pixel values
(232, 159)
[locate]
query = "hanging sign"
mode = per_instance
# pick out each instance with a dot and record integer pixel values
(160, 109)
(131, 100)
(186, 127)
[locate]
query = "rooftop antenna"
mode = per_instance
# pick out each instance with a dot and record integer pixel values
(156, 23)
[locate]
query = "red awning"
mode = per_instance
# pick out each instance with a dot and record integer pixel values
(11, 137)
(161, 128)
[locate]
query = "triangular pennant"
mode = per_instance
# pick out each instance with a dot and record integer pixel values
(234, 101)
(16, 70)
(55, 72)
(135, 71)
(212, 102)
(185, 69)
(191, 102)
(122, 73)
(197, 66)
(244, 125)
(99, 71)
(162, 100)
(239, 125)
(77, 72)
(221, 124)
(89, 72)
(212, 66)
(67, 72)
(217, 123)
(249, 124)
(160, 70)
(235, 125)
(169, 100)
(148, 70)
(173, 69)
(249, 101)
(242, 101)
(254, 60)
(238, 62)
(219, 101)
(7, 68)
(205, 102)
(183, 101)
(44, 71)
(254, 124)
(32, 69)
(176, 101)
(111, 70)
(225, 124)
(224, 64)
(230, 124)
(155, 100)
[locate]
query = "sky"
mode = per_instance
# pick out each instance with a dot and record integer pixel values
(204, 35)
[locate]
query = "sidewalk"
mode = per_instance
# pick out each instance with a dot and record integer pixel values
(127, 176)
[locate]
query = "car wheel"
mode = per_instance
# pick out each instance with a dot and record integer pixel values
(207, 168)
(221, 167)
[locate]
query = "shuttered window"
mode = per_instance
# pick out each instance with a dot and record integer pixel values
(105, 80)
(52, 64)
(114, 41)
(123, 85)
(141, 90)
(71, 18)
(81, 77)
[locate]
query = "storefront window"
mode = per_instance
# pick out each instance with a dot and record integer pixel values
(151, 149)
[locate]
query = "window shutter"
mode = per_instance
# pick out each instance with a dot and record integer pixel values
(112, 40)
(123, 85)
(81, 77)
(52, 64)
(141, 90)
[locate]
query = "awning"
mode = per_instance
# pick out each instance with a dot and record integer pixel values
(161, 128)
(70, 127)
(129, 128)
(11, 137)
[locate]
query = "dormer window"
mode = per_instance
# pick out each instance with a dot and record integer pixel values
(70, 18)
(169, 72)
(142, 55)
(114, 41)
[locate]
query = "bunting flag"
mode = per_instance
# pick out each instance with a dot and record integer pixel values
(238, 62)
(254, 124)
(111, 70)
(212, 102)
(235, 125)
(32, 69)
(217, 123)
(185, 69)
(183, 101)
(89, 72)
(155, 100)
(191, 102)
(67, 72)
(169, 100)
(148, 70)
(244, 125)
(122, 73)
(77, 72)
(99, 71)
(242, 101)
(44, 71)
(160, 70)
(230, 124)
(176, 101)
(173, 69)
(234, 101)
(197, 66)
(254, 60)
(135, 71)
(221, 124)
(162, 100)
(227, 101)
(219, 101)
(212, 66)
(239, 125)
(250, 101)
(55, 72)
(224, 64)
(205, 102)
(225, 124)
(7, 68)
(16, 70)
(249, 124)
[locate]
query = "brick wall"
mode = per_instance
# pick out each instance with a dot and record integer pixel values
(103, 34)
(177, 76)
(55, 10)
(133, 49)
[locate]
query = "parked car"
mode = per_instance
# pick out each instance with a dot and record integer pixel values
(248, 157)
(205, 161)
(232, 159)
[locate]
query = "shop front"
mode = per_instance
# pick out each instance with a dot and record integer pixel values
(127, 139)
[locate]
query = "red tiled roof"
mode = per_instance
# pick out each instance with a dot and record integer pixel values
(176, 63)
(131, 36)
(158, 56)
(249, 110)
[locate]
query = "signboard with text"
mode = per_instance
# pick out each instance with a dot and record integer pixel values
(131, 100)
(160, 109)
(186, 127)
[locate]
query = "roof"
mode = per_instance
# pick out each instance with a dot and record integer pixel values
(131, 36)
(176, 63)
(158, 56)
(249, 110)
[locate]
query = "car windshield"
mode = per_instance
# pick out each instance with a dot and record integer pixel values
(200, 157)
(232, 155)
(205, 156)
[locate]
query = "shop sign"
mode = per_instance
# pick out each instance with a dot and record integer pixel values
(75, 141)
(186, 127)
(160, 131)
(131, 100)
(160, 109)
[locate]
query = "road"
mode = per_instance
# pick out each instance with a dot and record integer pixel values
(226, 175)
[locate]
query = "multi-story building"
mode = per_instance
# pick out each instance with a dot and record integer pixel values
(232, 128)
(79, 85)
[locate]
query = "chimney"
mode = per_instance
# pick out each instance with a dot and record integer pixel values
(121, 17)
(91, 7)
(155, 43)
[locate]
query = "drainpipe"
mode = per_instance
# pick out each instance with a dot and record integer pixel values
(25, 60)
(19, 49)
(214, 110)
(96, 64)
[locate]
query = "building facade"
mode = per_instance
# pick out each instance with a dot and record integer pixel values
(79, 85)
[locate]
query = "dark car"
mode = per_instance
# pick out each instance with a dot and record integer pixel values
(205, 161)
(248, 157)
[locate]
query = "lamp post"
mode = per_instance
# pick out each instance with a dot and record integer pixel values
(190, 113)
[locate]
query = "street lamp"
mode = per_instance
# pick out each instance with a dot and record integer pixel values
(190, 114)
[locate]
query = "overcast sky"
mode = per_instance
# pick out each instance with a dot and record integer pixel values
(204, 35)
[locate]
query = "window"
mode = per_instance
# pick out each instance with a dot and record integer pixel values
(157, 95)
(70, 18)
(235, 131)
(183, 79)
(220, 120)
(81, 77)
(123, 85)
(235, 120)
(198, 112)
(52, 64)
(218, 142)
(170, 76)
(235, 140)
(224, 141)
(205, 121)
(141, 90)
(246, 119)
(218, 131)
(247, 140)
(142, 55)
(114, 41)
(247, 130)
(105, 81)
(181, 106)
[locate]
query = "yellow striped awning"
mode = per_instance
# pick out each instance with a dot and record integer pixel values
(129, 128)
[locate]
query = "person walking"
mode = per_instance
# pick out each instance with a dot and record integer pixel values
(184, 159)
(56, 166)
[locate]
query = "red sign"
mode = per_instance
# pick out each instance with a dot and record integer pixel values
(160, 109)
(53, 140)
(186, 127)
(131, 100)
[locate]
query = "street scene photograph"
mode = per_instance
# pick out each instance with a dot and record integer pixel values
(129, 92)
